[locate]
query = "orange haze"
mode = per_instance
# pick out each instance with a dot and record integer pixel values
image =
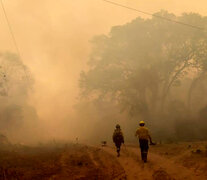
(53, 37)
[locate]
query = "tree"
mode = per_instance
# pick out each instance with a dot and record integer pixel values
(200, 65)
(137, 64)
(15, 77)
(15, 82)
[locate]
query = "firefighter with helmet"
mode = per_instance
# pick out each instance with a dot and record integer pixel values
(144, 137)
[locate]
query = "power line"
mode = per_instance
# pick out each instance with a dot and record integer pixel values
(13, 38)
(10, 28)
(154, 15)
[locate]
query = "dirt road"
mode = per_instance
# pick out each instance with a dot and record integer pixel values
(157, 168)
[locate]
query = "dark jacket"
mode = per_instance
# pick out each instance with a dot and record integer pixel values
(118, 136)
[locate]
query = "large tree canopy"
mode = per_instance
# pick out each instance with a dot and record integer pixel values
(141, 64)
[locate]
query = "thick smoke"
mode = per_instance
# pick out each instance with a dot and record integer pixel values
(53, 38)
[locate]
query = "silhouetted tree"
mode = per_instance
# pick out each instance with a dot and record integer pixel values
(138, 64)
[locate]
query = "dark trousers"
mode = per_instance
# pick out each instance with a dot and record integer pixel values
(144, 146)
(118, 146)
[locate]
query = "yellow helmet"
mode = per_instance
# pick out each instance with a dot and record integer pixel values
(142, 122)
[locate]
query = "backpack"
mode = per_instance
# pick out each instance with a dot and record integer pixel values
(118, 136)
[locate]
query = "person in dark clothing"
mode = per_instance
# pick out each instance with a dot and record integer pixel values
(118, 138)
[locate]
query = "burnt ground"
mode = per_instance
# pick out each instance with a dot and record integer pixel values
(72, 161)
(57, 162)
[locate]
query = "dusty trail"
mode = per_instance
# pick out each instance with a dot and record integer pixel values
(157, 168)
(133, 168)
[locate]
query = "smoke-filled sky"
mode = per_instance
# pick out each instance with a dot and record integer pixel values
(53, 38)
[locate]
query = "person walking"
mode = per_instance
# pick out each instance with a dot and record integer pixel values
(144, 136)
(118, 139)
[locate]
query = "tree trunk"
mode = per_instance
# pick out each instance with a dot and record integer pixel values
(165, 93)
(192, 87)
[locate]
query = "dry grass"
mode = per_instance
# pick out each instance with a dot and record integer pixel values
(53, 162)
